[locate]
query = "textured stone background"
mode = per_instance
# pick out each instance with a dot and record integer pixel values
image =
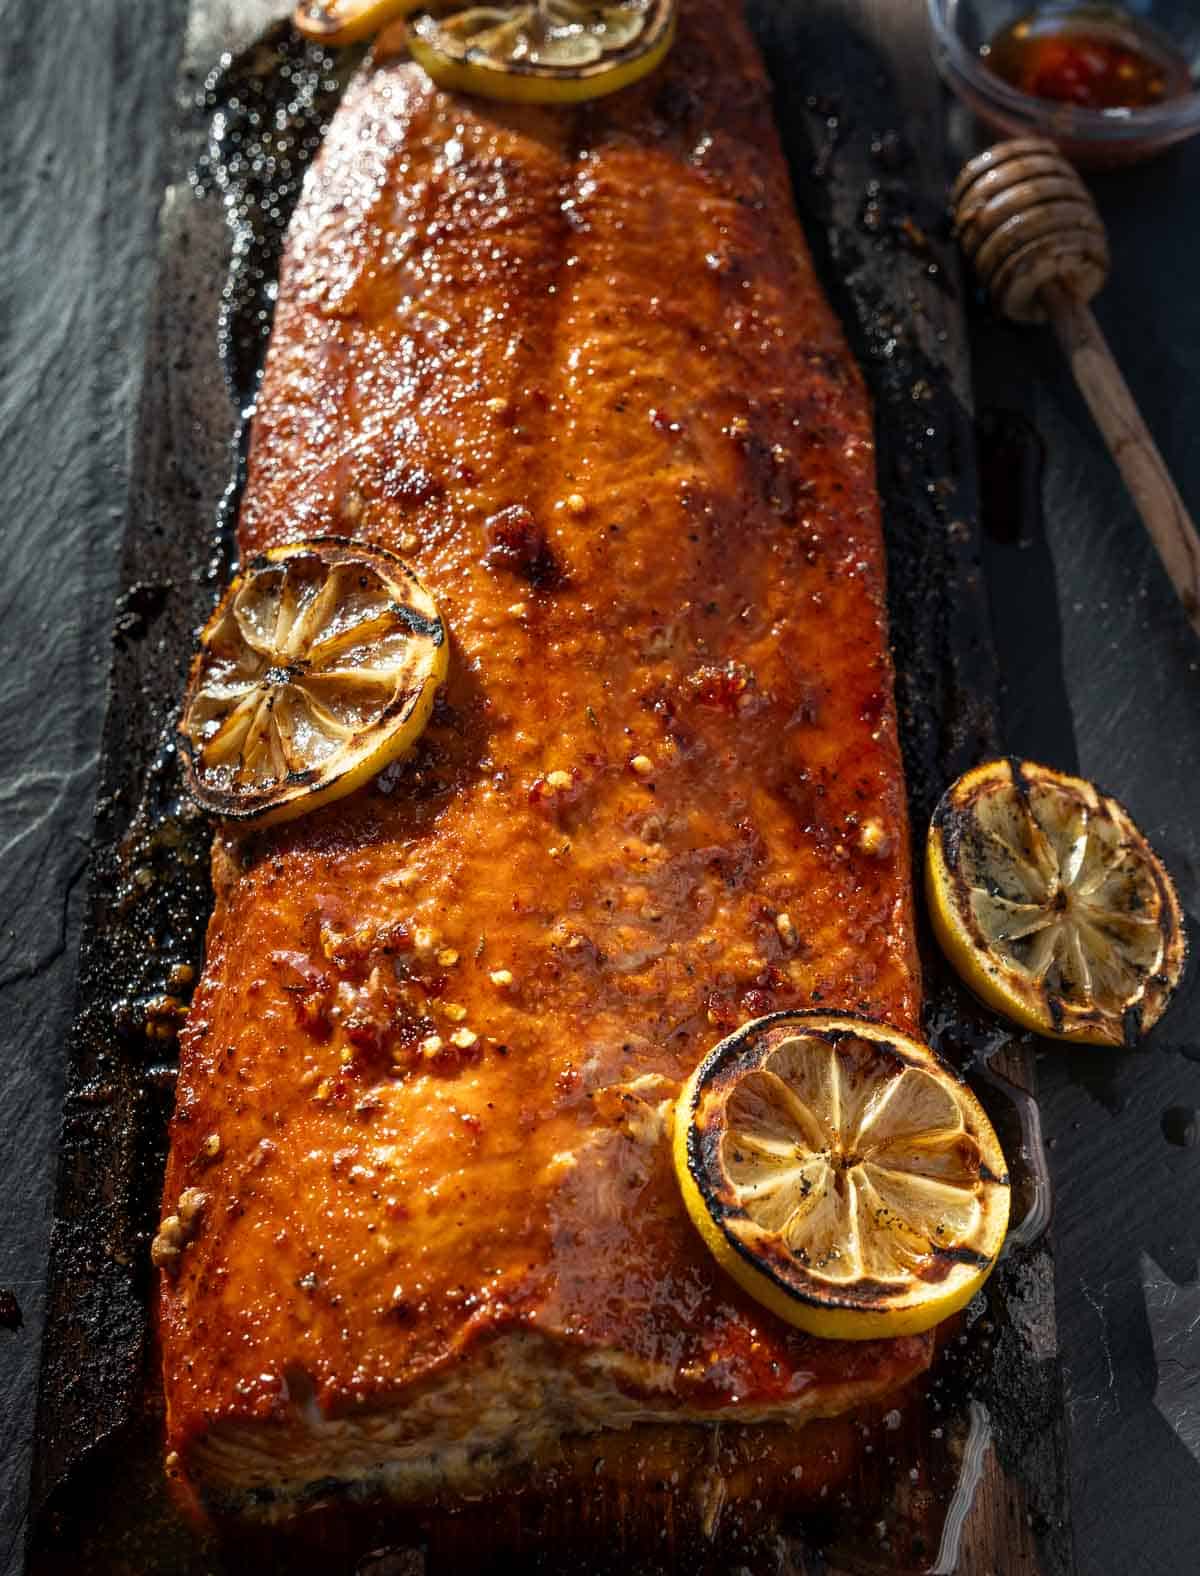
(1102, 674)
(85, 91)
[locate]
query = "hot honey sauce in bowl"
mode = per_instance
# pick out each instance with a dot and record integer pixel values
(1109, 87)
(1096, 57)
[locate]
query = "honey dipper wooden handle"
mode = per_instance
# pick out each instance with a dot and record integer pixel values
(1032, 231)
(1112, 405)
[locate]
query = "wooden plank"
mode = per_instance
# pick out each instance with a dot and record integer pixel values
(859, 109)
(863, 117)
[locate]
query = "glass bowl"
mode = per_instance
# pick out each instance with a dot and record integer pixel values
(1091, 137)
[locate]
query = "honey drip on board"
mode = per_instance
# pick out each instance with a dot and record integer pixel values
(1093, 56)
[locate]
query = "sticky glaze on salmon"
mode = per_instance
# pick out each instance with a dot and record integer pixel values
(574, 366)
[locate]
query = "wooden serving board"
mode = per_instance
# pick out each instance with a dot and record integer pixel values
(970, 1474)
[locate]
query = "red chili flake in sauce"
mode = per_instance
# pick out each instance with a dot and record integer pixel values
(1096, 58)
(720, 1011)
(721, 687)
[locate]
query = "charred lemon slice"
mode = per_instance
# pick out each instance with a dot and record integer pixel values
(548, 52)
(319, 666)
(1051, 904)
(348, 21)
(841, 1174)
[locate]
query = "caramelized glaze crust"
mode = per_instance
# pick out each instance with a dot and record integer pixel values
(575, 367)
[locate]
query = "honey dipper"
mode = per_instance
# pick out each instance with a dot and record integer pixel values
(1032, 231)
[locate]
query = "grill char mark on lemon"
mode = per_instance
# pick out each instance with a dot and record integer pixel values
(401, 718)
(955, 831)
(744, 1053)
(704, 1141)
(461, 65)
(956, 825)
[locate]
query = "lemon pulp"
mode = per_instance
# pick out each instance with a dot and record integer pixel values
(547, 52)
(1052, 905)
(318, 667)
(841, 1174)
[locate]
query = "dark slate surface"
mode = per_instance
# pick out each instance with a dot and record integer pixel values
(1102, 674)
(83, 95)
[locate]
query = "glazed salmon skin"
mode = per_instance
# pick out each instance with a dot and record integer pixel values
(576, 368)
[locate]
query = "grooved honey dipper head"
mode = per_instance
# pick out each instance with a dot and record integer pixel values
(1025, 219)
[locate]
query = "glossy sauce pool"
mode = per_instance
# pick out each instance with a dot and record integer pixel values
(1095, 57)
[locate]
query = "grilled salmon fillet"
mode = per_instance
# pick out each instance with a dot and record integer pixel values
(575, 366)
